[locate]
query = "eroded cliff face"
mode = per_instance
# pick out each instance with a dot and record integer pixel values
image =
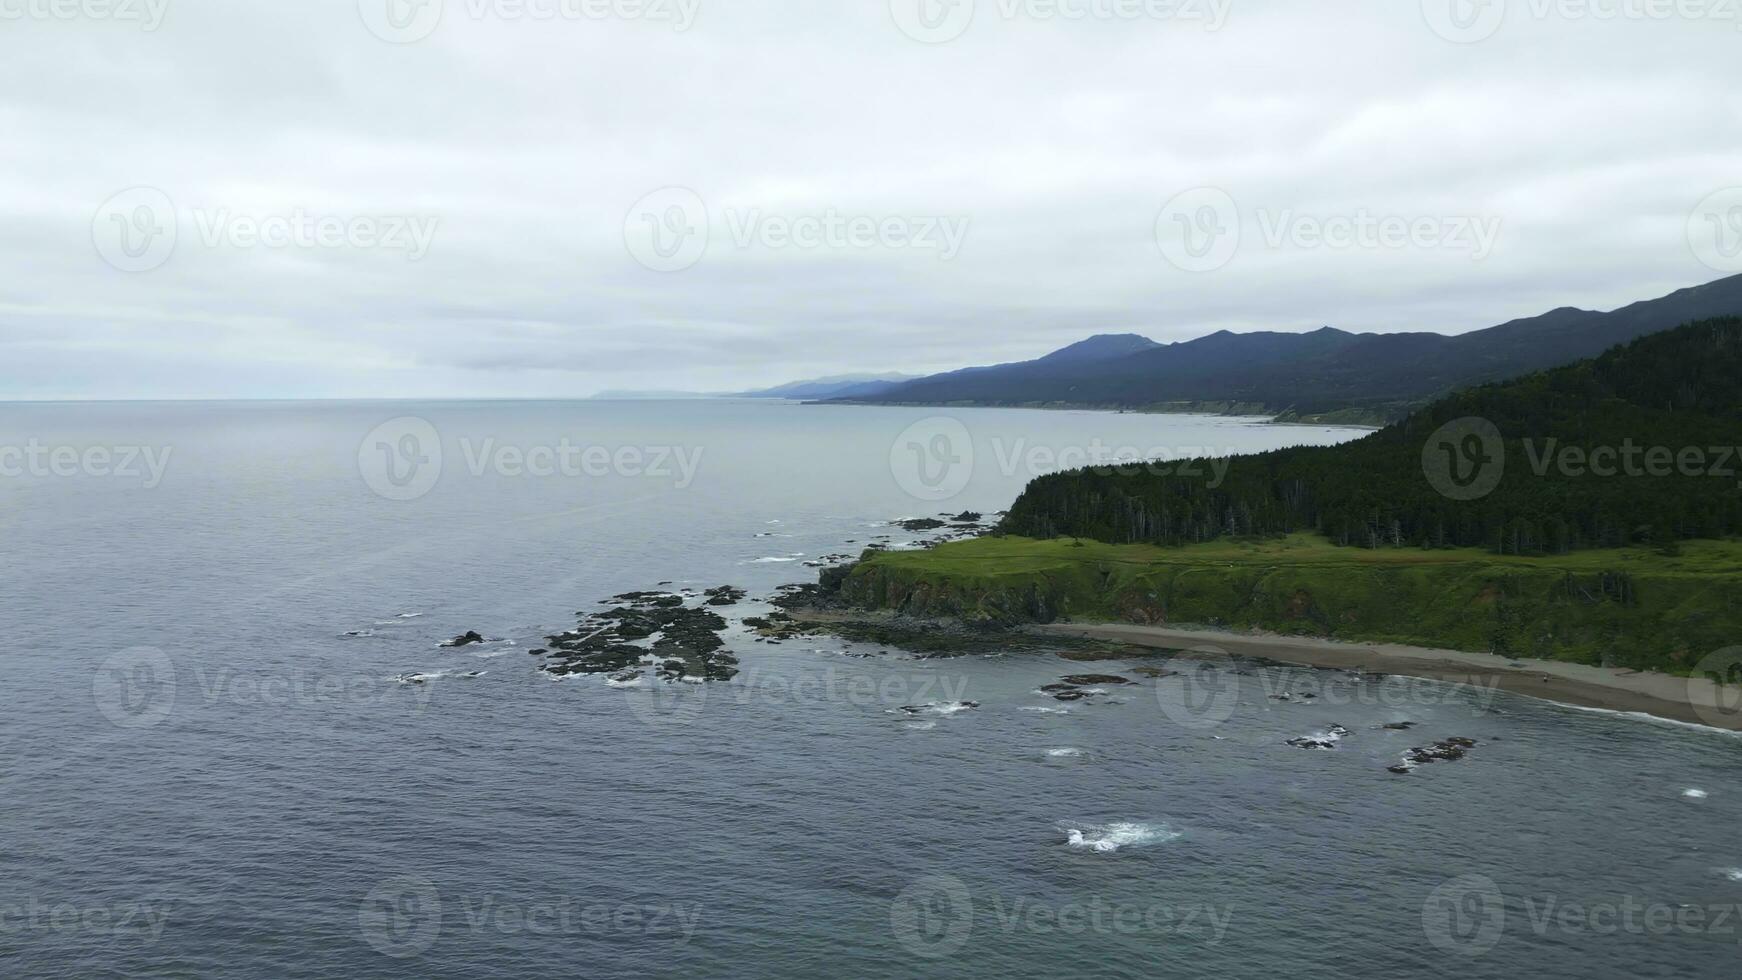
(1653, 622)
(873, 586)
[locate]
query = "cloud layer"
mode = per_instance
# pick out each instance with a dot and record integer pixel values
(1168, 168)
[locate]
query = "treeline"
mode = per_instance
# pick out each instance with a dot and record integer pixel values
(1635, 446)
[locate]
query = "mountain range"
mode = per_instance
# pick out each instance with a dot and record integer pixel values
(1323, 375)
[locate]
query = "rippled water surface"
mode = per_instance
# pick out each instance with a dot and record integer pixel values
(204, 776)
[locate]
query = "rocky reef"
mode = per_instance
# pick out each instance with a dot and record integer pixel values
(658, 630)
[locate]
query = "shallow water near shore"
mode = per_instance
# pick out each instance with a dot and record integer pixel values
(212, 767)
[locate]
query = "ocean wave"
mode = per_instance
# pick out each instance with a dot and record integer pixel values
(775, 560)
(358, 633)
(1106, 838)
(1734, 874)
(632, 682)
(425, 678)
(1693, 794)
(920, 726)
(1063, 753)
(945, 708)
(1037, 709)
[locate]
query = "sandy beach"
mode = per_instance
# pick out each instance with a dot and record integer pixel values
(1693, 701)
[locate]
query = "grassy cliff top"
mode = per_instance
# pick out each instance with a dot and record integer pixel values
(988, 557)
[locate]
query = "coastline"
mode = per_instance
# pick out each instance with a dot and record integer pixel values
(1258, 413)
(1692, 701)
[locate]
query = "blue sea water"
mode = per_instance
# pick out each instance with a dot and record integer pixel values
(210, 768)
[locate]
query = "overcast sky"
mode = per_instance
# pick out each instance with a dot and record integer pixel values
(718, 194)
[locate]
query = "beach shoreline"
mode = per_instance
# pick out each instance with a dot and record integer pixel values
(1694, 701)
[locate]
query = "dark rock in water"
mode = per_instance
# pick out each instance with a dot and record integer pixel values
(538, 651)
(1327, 741)
(1095, 680)
(465, 639)
(1401, 770)
(687, 639)
(725, 595)
(1399, 726)
(1156, 672)
(1449, 750)
(1056, 688)
(920, 524)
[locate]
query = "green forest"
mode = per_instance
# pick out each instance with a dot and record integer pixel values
(1634, 447)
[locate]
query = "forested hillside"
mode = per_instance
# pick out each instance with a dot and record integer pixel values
(1634, 446)
(1323, 373)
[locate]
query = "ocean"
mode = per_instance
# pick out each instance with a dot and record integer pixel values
(215, 766)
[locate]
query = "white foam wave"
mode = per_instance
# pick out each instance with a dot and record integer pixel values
(1734, 874)
(1063, 753)
(772, 561)
(426, 677)
(1693, 794)
(945, 708)
(920, 726)
(1106, 838)
(613, 682)
(1046, 711)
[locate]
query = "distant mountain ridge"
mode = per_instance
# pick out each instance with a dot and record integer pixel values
(843, 386)
(1326, 374)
